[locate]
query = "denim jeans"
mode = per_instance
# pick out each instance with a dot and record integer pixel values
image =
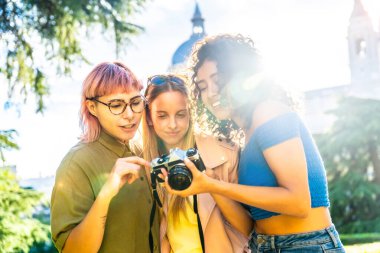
(325, 240)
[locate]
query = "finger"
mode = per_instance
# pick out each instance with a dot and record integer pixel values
(164, 173)
(167, 186)
(190, 165)
(128, 168)
(136, 160)
(210, 173)
(131, 178)
(162, 177)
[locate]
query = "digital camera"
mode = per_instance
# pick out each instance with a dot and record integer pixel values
(179, 176)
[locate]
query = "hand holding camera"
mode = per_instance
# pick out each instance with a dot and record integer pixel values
(179, 176)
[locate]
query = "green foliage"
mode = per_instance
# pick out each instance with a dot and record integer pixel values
(350, 239)
(7, 142)
(18, 229)
(351, 154)
(56, 27)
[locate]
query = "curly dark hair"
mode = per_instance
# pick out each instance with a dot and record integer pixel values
(236, 60)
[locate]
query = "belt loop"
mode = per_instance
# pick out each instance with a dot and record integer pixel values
(272, 242)
(332, 236)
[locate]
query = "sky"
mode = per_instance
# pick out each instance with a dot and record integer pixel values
(303, 43)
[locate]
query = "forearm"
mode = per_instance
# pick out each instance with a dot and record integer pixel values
(88, 235)
(235, 214)
(274, 199)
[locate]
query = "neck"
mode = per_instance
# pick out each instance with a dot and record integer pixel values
(242, 122)
(169, 147)
(245, 124)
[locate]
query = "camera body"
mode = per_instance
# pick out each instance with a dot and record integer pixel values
(179, 176)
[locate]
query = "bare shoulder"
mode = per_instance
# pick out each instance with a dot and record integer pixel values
(268, 110)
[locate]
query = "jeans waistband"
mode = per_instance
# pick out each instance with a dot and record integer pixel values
(301, 239)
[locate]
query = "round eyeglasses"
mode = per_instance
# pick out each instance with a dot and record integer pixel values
(118, 106)
(159, 80)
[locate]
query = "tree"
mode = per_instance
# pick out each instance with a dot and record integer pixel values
(18, 229)
(7, 142)
(351, 151)
(56, 25)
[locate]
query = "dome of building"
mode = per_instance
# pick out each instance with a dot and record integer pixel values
(182, 53)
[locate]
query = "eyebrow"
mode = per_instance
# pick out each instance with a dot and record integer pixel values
(214, 75)
(119, 99)
(183, 110)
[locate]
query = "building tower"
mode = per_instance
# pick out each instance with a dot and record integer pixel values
(182, 53)
(362, 47)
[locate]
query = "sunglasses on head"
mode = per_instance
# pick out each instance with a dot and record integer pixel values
(158, 80)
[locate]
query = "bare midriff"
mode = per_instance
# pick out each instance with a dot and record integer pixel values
(317, 219)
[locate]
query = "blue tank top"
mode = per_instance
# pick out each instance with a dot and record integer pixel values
(255, 171)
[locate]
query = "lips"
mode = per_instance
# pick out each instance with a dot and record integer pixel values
(172, 133)
(128, 126)
(215, 104)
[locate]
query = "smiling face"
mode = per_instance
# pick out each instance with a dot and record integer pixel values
(209, 83)
(123, 126)
(170, 118)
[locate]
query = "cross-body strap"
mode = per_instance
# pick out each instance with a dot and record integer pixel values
(200, 230)
(151, 219)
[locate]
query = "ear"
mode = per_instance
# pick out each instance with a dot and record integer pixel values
(91, 107)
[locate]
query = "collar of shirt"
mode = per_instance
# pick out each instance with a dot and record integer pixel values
(120, 149)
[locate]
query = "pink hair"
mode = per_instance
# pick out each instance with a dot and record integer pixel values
(106, 78)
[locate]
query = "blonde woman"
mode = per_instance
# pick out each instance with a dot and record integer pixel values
(167, 124)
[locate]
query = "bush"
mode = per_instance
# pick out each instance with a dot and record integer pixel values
(18, 229)
(349, 239)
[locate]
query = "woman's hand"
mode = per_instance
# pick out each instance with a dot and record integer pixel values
(199, 183)
(125, 170)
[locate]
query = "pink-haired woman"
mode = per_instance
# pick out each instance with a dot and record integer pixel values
(101, 199)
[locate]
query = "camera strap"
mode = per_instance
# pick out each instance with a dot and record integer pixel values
(153, 211)
(200, 230)
(154, 190)
(151, 219)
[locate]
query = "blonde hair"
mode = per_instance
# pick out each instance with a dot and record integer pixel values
(153, 146)
(106, 78)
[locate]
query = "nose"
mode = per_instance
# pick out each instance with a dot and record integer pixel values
(172, 123)
(212, 90)
(128, 113)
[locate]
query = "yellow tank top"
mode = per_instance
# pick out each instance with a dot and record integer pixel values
(183, 235)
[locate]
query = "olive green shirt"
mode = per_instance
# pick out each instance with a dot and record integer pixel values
(79, 179)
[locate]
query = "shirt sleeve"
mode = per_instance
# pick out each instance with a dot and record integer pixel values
(72, 197)
(277, 130)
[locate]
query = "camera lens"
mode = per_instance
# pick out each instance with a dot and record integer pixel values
(179, 177)
(190, 152)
